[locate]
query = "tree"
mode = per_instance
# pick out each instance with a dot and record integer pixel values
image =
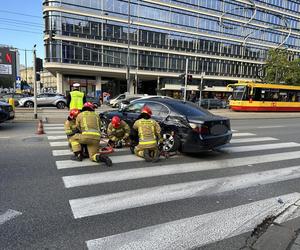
(276, 66)
(292, 75)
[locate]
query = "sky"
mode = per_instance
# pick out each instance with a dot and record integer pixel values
(21, 26)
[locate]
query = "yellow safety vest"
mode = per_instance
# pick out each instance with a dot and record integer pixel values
(76, 99)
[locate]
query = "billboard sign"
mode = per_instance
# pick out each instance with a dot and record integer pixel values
(5, 69)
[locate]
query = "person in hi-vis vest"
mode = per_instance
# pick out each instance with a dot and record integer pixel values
(76, 98)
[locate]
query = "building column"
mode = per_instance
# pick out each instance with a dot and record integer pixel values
(98, 86)
(59, 83)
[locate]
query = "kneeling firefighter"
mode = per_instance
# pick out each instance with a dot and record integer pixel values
(70, 123)
(117, 131)
(149, 136)
(89, 124)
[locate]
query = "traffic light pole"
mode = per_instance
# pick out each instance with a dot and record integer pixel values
(200, 89)
(34, 83)
(186, 78)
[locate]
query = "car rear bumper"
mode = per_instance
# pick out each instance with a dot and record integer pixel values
(196, 144)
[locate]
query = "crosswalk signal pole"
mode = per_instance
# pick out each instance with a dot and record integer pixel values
(34, 83)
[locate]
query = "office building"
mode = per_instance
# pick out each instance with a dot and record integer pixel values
(224, 40)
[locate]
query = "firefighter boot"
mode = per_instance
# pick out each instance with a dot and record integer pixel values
(147, 155)
(105, 159)
(77, 156)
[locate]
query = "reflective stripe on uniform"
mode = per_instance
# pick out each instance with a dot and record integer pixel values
(147, 142)
(91, 133)
(75, 143)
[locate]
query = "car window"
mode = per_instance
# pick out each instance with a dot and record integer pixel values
(158, 109)
(188, 109)
(135, 107)
(120, 97)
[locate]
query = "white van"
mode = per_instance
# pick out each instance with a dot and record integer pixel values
(116, 101)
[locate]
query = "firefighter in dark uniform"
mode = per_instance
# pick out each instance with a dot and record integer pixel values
(117, 131)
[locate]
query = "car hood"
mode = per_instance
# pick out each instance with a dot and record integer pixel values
(205, 118)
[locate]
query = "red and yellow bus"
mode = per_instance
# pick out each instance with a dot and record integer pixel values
(249, 96)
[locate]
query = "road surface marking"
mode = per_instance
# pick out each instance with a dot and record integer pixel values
(69, 152)
(275, 126)
(258, 139)
(54, 128)
(115, 159)
(196, 231)
(53, 125)
(4, 137)
(59, 143)
(242, 134)
(259, 147)
(55, 132)
(57, 137)
(146, 172)
(8, 215)
(109, 203)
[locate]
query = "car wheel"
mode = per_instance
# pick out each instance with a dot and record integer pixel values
(171, 141)
(60, 105)
(29, 104)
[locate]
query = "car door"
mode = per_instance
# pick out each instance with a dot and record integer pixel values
(41, 99)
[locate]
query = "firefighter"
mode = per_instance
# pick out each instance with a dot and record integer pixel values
(70, 123)
(76, 98)
(117, 131)
(89, 124)
(149, 135)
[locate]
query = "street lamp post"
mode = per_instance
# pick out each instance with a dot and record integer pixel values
(128, 47)
(34, 82)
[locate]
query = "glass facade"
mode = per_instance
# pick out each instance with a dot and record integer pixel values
(220, 37)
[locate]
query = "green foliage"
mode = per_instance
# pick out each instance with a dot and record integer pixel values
(280, 70)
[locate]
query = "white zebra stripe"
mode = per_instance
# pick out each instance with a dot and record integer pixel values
(197, 231)
(109, 203)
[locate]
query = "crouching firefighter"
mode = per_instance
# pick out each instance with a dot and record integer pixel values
(149, 135)
(89, 124)
(70, 123)
(118, 131)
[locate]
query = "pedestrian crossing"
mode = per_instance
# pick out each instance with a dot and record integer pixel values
(245, 150)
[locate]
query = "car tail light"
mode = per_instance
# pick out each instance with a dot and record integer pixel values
(199, 128)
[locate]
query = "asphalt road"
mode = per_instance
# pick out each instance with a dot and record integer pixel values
(205, 201)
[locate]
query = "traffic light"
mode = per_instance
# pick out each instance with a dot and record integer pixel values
(38, 77)
(38, 64)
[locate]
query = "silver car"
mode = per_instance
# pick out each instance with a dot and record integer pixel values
(45, 100)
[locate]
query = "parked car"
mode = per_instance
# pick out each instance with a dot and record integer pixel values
(115, 102)
(6, 112)
(127, 101)
(185, 126)
(15, 96)
(94, 100)
(46, 100)
(213, 104)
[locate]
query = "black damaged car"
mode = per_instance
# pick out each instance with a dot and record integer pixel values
(185, 126)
